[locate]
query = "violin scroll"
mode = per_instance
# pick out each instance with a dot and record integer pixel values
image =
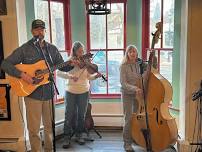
(156, 36)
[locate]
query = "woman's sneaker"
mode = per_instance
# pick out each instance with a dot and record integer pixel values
(67, 143)
(80, 139)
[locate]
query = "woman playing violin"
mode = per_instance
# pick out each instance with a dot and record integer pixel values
(131, 87)
(76, 96)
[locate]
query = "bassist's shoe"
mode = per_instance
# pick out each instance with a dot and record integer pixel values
(128, 148)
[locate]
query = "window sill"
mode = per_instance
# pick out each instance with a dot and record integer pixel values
(105, 96)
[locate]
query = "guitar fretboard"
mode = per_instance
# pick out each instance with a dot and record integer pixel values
(53, 68)
(41, 72)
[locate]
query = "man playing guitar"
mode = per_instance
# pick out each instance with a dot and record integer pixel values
(21, 66)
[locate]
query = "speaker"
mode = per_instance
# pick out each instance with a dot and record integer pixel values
(2, 74)
(3, 8)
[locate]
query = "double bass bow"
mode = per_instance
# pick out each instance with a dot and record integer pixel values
(152, 125)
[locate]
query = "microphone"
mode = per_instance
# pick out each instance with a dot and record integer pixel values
(35, 39)
(198, 93)
(139, 61)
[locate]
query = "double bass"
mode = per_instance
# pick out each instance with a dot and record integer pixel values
(152, 125)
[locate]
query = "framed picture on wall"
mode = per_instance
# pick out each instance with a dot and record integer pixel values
(2, 74)
(5, 110)
(3, 8)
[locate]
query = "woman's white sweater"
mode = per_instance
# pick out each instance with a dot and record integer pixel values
(80, 86)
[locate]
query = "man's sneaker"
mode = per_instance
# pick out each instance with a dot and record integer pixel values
(67, 143)
(128, 148)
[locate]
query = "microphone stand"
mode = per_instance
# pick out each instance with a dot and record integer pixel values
(146, 132)
(199, 143)
(52, 81)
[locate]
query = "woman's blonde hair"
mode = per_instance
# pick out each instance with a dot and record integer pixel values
(75, 46)
(126, 58)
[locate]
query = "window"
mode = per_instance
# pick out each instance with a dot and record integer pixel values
(106, 40)
(163, 11)
(55, 13)
(41, 12)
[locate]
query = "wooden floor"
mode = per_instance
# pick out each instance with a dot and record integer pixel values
(111, 141)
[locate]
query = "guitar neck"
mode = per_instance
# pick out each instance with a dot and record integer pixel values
(53, 68)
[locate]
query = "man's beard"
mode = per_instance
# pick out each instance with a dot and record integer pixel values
(41, 37)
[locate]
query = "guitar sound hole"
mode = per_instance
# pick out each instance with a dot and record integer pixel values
(36, 80)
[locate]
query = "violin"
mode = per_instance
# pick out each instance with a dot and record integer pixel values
(93, 68)
(85, 62)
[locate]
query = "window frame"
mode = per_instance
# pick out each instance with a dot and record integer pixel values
(146, 34)
(67, 23)
(107, 95)
(146, 31)
(67, 34)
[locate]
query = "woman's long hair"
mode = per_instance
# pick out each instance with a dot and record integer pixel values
(126, 58)
(75, 46)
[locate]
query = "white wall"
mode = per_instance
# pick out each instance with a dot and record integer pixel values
(14, 34)
(191, 63)
(10, 42)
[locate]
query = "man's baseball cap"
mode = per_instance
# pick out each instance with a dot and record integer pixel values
(38, 23)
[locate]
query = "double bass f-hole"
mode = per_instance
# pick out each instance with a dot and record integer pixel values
(160, 122)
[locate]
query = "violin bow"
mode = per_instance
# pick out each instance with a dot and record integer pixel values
(103, 76)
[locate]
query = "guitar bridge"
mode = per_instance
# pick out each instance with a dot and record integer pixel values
(36, 80)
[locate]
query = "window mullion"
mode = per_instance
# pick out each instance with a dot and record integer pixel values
(107, 54)
(162, 23)
(50, 26)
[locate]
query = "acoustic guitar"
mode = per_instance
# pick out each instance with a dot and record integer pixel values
(38, 71)
(40, 74)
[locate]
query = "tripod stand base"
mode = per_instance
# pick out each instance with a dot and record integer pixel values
(88, 134)
(200, 150)
(97, 132)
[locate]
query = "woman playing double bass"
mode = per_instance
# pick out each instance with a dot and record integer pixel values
(131, 88)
